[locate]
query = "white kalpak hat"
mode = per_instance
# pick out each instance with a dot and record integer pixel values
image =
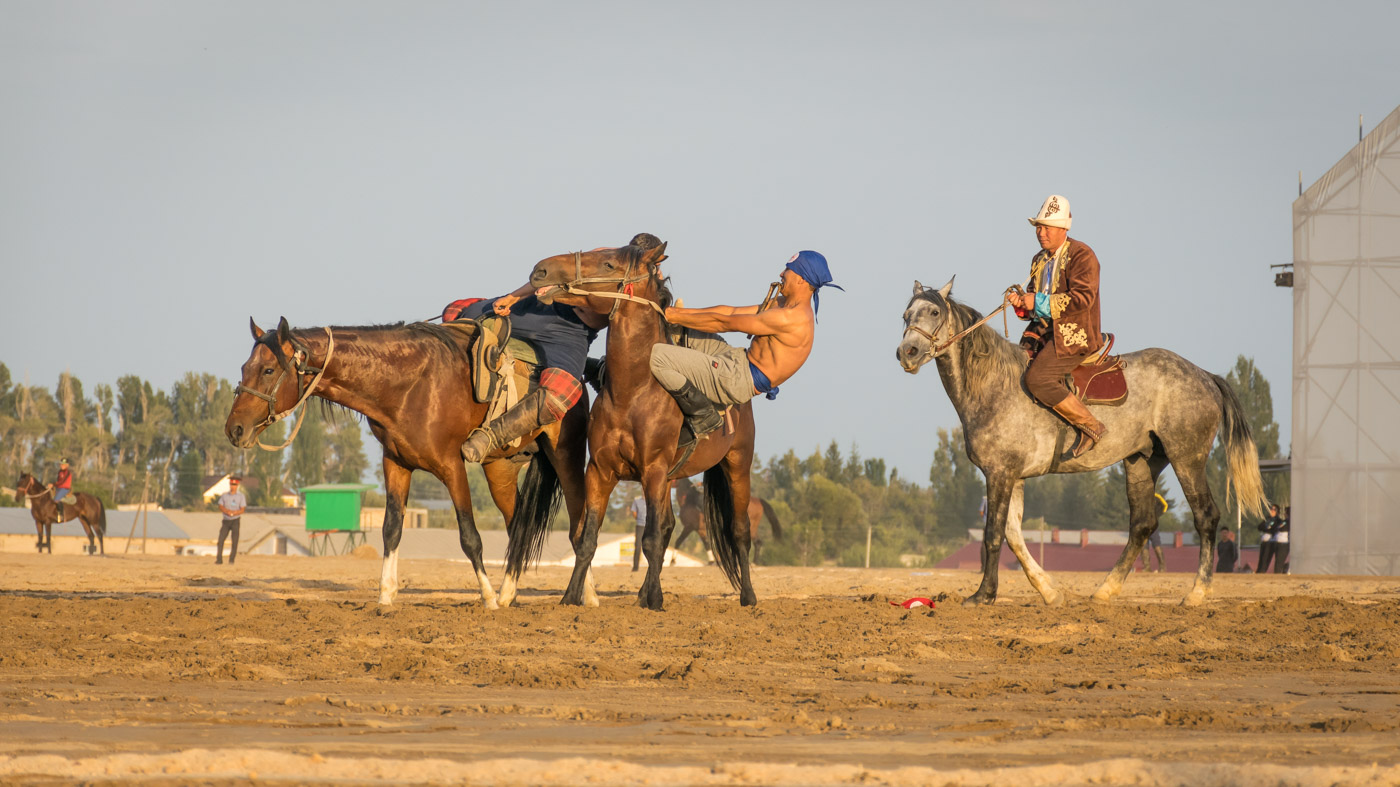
(1054, 213)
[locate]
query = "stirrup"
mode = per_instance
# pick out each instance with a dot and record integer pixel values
(491, 444)
(1084, 442)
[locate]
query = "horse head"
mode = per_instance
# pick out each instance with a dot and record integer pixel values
(928, 323)
(26, 483)
(271, 384)
(633, 271)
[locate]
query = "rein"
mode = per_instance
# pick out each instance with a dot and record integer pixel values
(624, 290)
(301, 356)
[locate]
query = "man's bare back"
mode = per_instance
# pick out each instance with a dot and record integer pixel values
(782, 334)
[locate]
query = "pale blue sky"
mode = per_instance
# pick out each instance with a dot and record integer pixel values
(170, 168)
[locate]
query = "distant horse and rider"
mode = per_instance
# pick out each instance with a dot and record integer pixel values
(85, 508)
(690, 501)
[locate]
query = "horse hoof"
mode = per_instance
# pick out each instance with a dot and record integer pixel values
(1056, 600)
(978, 600)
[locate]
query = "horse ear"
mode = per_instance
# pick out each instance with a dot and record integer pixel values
(284, 331)
(947, 288)
(257, 332)
(918, 288)
(654, 255)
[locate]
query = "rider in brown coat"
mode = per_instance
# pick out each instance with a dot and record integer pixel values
(1062, 303)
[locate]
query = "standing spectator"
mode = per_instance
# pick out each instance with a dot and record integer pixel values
(1228, 551)
(1281, 541)
(62, 486)
(1268, 539)
(232, 504)
(639, 513)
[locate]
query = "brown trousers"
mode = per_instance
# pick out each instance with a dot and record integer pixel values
(1045, 377)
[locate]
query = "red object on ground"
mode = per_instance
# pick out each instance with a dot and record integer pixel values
(917, 601)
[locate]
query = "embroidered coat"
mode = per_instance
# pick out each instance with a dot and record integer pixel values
(1073, 302)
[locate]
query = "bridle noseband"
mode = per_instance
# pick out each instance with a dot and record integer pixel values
(301, 357)
(624, 286)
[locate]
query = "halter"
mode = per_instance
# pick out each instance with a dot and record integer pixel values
(624, 290)
(304, 391)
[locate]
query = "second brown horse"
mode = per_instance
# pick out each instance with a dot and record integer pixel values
(635, 424)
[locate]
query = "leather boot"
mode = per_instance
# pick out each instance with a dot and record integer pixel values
(701, 417)
(528, 414)
(1090, 430)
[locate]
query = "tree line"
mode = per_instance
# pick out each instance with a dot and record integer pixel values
(131, 439)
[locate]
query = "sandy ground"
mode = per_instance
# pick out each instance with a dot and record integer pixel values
(170, 670)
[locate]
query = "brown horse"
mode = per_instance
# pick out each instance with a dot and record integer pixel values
(634, 427)
(413, 383)
(80, 506)
(692, 516)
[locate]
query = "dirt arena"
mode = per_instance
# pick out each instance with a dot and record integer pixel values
(170, 670)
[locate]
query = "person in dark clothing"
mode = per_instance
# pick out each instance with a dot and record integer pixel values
(1281, 541)
(1268, 539)
(562, 333)
(1228, 551)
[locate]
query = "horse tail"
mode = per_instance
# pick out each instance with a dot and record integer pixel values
(535, 507)
(101, 517)
(719, 505)
(1241, 454)
(772, 517)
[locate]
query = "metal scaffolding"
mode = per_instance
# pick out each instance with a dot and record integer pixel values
(1346, 363)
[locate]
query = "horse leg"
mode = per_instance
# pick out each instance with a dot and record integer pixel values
(1207, 518)
(583, 533)
(660, 522)
(455, 477)
(396, 482)
(999, 488)
(501, 478)
(1037, 576)
(1141, 473)
(737, 466)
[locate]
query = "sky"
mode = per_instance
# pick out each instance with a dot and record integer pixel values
(169, 169)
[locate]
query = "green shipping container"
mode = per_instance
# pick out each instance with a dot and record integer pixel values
(334, 506)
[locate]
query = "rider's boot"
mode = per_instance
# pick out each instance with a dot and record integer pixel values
(701, 417)
(528, 414)
(1090, 430)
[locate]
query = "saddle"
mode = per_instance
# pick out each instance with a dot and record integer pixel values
(1099, 378)
(503, 368)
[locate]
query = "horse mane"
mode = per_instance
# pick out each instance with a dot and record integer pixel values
(632, 255)
(984, 357)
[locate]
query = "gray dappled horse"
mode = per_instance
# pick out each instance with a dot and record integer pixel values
(1170, 417)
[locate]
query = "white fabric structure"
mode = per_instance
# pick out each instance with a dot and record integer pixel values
(1346, 363)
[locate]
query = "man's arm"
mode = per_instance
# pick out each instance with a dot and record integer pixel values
(744, 319)
(503, 303)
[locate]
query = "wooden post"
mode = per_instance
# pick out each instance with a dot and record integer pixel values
(144, 487)
(869, 528)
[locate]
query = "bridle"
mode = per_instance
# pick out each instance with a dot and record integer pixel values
(32, 482)
(624, 286)
(301, 357)
(935, 348)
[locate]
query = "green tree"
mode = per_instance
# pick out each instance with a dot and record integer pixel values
(309, 451)
(956, 484)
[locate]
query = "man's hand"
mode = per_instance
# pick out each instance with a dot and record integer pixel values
(503, 304)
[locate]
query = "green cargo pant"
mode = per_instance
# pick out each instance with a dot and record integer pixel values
(719, 370)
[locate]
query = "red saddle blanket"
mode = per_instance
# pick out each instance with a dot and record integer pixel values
(1100, 380)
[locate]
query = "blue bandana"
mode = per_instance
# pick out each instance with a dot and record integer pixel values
(811, 266)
